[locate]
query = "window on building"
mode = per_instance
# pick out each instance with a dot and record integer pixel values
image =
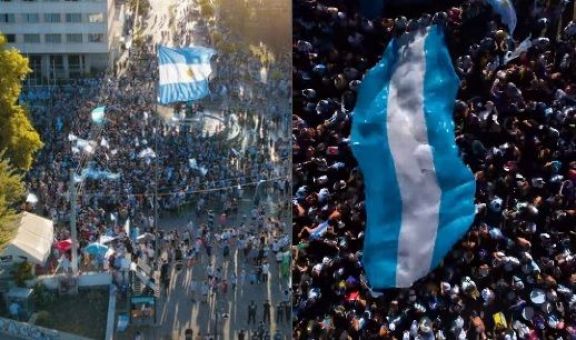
(31, 38)
(96, 17)
(74, 37)
(11, 38)
(57, 61)
(74, 61)
(53, 38)
(96, 37)
(73, 17)
(31, 18)
(74, 66)
(56, 66)
(51, 17)
(7, 18)
(35, 63)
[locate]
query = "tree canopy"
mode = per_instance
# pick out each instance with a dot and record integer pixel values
(17, 135)
(19, 141)
(11, 193)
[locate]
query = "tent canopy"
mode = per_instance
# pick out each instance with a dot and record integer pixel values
(33, 239)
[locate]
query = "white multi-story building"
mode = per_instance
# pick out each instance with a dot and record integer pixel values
(62, 38)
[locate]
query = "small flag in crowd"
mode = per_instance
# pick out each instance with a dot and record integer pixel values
(507, 13)
(419, 193)
(184, 73)
(104, 143)
(194, 165)
(523, 47)
(79, 144)
(59, 124)
(99, 174)
(96, 174)
(147, 153)
(127, 227)
(97, 114)
(31, 198)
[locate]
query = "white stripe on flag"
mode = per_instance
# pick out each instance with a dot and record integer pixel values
(183, 73)
(413, 160)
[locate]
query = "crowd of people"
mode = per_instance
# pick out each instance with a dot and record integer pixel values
(201, 161)
(234, 264)
(137, 153)
(512, 275)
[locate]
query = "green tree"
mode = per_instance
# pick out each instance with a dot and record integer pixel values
(11, 193)
(17, 135)
(142, 5)
(206, 9)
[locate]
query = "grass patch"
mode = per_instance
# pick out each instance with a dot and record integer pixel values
(84, 314)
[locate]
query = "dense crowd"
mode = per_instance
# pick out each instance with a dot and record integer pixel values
(512, 275)
(195, 164)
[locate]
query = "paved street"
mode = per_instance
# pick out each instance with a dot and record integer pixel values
(177, 311)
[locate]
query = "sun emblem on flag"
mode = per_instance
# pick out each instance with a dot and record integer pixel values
(191, 73)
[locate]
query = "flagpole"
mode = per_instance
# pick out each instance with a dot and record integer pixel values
(156, 176)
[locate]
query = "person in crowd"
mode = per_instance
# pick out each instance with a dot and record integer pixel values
(252, 313)
(266, 311)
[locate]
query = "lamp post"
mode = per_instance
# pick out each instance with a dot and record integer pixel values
(156, 182)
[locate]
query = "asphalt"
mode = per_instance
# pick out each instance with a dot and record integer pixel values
(178, 311)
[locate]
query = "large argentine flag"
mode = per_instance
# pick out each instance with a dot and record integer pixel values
(184, 73)
(419, 193)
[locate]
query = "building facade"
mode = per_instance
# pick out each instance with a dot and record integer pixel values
(63, 39)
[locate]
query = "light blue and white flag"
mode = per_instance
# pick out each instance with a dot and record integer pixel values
(79, 144)
(59, 124)
(127, 227)
(524, 46)
(97, 115)
(194, 165)
(419, 194)
(92, 172)
(507, 13)
(97, 174)
(147, 153)
(184, 73)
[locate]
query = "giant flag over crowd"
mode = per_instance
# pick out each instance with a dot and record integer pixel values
(419, 193)
(184, 73)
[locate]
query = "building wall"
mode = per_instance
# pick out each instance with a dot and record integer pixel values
(27, 20)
